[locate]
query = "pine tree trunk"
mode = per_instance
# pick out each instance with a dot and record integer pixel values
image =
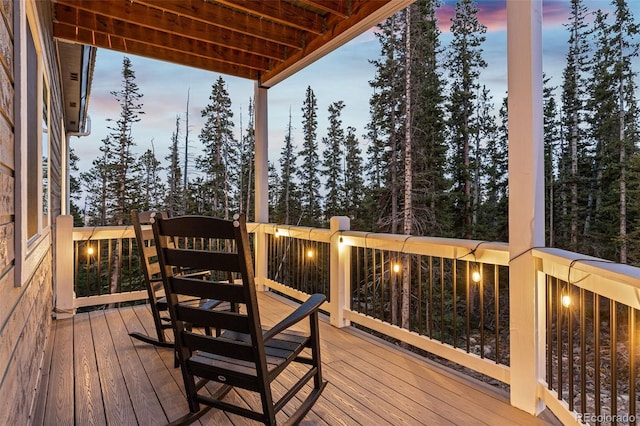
(624, 249)
(408, 173)
(574, 187)
(186, 156)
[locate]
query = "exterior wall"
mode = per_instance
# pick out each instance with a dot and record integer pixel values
(25, 303)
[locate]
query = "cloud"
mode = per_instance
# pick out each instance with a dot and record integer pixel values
(491, 13)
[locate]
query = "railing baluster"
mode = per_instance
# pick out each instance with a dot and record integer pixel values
(549, 315)
(632, 364)
(419, 294)
(430, 299)
(442, 323)
(468, 306)
(496, 295)
(569, 315)
(583, 351)
(559, 317)
(613, 339)
(454, 283)
(596, 353)
(481, 297)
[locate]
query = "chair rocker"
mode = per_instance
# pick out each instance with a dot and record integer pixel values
(243, 355)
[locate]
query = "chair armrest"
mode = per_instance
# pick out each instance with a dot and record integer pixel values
(311, 305)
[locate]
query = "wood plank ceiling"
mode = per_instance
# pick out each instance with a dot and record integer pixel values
(263, 40)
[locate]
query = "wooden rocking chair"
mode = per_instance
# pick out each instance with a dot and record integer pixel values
(147, 250)
(243, 355)
(152, 278)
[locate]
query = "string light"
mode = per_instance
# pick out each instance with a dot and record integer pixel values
(310, 253)
(396, 267)
(277, 232)
(566, 300)
(476, 276)
(90, 250)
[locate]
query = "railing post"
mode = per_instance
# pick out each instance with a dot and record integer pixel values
(260, 256)
(526, 199)
(340, 271)
(63, 291)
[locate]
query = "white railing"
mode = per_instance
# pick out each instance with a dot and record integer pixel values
(619, 284)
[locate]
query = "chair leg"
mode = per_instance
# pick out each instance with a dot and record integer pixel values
(151, 340)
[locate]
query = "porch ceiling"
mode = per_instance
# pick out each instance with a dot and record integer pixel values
(260, 40)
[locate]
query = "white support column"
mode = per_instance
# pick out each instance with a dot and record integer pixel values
(63, 285)
(526, 196)
(262, 180)
(340, 271)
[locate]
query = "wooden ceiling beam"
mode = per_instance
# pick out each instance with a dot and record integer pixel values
(216, 14)
(279, 11)
(225, 28)
(364, 15)
(135, 47)
(108, 25)
(339, 8)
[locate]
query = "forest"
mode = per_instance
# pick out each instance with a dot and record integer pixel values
(435, 162)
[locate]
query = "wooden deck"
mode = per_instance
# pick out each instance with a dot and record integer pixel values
(96, 374)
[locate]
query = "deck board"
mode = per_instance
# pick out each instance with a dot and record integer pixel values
(118, 407)
(120, 380)
(89, 408)
(59, 401)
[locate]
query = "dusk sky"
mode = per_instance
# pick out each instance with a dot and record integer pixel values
(342, 75)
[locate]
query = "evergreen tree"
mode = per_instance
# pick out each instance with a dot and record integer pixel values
(96, 185)
(220, 155)
(175, 201)
(384, 128)
(354, 186)
(464, 64)
(309, 172)
(274, 184)
(152, 189)
(333, 162)
(603, 220)
(74, 189)
(575, 159)
(430, 184)
(552, 145)
(625, 46)
(375, 175)
(247, 169)
(490, 192)
(287, 208)
(122, 185)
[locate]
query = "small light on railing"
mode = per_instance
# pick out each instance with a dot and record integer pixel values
(341, 240)
(396, 267)
(566, 300)
(90, 250)
(277, 233)
(310, 253)
(476, 276)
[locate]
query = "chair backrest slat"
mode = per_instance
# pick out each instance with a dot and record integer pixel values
(196, 287)
(224, 347)
(227, 320)
(200, 259)
(191, 227)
